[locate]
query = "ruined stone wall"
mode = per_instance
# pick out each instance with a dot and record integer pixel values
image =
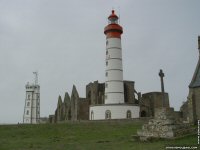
(51, 118)
(129, 89)
(196, 101)
(66, 105)
(95, 93)
(83, 109)
(150, 101)
(74, 104)
(191, 108)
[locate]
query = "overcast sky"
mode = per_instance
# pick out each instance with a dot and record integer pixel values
(64, 41)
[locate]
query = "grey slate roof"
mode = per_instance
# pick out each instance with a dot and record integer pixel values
(196, 77)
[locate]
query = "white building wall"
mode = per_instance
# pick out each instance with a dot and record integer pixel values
(117, 111)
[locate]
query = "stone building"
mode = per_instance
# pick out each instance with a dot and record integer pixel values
(76, 108)
(191, 108)
(150, 101)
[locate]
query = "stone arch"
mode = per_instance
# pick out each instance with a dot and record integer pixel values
(143, 113)
(128, 114)
(108, 114)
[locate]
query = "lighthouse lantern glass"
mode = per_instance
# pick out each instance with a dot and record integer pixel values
(113, 20)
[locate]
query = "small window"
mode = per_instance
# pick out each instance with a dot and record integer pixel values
(106, 74)
(28, 103)
(29, 96)
(106, 63)
(107, 114)
(27, 112)
(106, 42)
(106, 52)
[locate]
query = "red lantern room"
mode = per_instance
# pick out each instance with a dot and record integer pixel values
(113, 29)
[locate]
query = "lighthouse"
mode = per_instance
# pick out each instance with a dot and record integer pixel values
(32, 102)
(114, 88)
(114, 106)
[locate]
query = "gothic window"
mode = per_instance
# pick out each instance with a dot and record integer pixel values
(28, 103)
(27, 112)
(107, 114)
(128, 114)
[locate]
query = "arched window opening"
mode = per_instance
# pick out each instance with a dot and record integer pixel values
(128, 114)
(92, 115)
(143, 113)
(107, 114)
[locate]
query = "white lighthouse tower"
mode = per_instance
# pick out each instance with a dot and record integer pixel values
(32, 102)
(114, 87)
(114, 106)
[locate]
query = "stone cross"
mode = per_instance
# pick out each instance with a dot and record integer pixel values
(161, 74)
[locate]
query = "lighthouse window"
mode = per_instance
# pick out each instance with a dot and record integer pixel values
(27, 112)
(106, 42)
(106, 63)
(106, 52)
(106, 74)
(28, 104)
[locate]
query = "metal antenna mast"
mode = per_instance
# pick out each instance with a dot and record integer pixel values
(36, 77)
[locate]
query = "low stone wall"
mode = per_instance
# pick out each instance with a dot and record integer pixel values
(164, 125)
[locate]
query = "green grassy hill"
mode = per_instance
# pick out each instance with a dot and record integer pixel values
(81, 136)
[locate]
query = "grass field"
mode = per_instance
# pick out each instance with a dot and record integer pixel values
(81, 136)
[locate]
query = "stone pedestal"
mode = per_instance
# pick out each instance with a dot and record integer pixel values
(163, 125)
